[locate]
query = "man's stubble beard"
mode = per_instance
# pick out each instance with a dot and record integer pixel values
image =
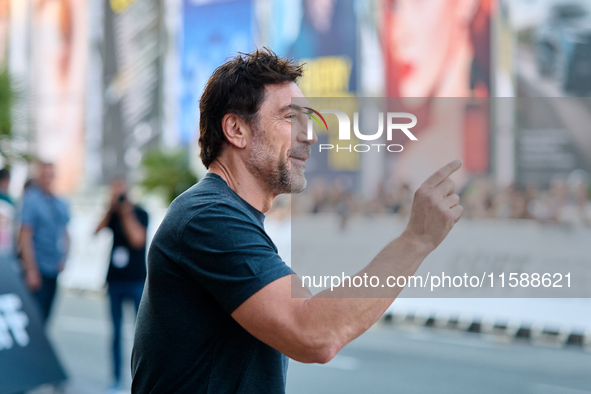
(264, 164)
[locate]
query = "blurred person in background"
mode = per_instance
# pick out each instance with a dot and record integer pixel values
(547, 206)
(478, 198)
(402, 200)
(319, 196)
(583, 206)
(577, 211)
(4, 183)
(519, 205)
(7, 216)
(127, 266)
(43, 238)
(559, 197)
(501, 206)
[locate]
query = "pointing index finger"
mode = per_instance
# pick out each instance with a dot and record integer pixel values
(443, 173)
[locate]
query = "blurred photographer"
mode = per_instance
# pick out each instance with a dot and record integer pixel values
(127, 268)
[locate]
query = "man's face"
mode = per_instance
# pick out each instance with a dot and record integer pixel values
(4, 183)
(46, 175)
(279, 145)
(118, 187)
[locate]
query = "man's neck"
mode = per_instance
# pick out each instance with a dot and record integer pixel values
(43, 190)
(251, 189)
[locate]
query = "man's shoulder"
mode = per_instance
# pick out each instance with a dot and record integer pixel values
(139, 210)
(31, 201)
(210, 204)
(211, 193)
(35, 195)
(63, 202)
(31, 194)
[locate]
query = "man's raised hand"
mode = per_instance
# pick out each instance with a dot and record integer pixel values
(435, 207)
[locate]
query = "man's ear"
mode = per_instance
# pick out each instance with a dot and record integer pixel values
(235, 130)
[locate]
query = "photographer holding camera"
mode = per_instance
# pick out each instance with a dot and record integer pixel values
(127, 268)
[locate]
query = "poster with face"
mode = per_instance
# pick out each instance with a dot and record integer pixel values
(206, 44)
(440, 49)
(327, 43)
(436, 48)
(58, 61)
(323, 35)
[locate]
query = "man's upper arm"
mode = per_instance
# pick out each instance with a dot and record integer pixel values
(25, 234)
(28, 214)
(226, 252)
(279, 317)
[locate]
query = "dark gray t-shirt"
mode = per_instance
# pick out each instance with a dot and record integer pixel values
(210, 254)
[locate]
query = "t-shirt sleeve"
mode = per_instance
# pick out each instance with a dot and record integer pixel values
(226, 252)
(28, 214)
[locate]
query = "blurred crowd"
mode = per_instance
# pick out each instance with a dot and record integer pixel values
(561, 202)
(34, 231)
(564, 201)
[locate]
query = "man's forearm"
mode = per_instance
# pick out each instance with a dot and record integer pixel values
(28, 260)
(133, 229)
(343, 313)
(104, 222)
(313, 329)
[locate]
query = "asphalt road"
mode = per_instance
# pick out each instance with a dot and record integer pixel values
(386, 359)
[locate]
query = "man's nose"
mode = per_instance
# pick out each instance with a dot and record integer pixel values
(304, 137)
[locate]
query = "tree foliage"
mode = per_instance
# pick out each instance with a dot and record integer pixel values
(167, 172)
(5, 117)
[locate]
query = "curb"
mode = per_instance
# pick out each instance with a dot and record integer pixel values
(536, 335)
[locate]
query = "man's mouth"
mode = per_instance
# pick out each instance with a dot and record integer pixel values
(299, 155)
(300, 159)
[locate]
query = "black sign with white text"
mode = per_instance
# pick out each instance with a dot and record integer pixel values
(27, 360)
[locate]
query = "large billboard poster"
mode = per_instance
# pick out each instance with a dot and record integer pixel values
(553, 144)
(552, 69)
(553, 47)
(205, 44)
(327, 42)
(440, 49)
(4, 29)
(323, 35)
(58, 61)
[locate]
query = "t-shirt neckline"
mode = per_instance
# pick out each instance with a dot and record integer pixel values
(256, 212)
